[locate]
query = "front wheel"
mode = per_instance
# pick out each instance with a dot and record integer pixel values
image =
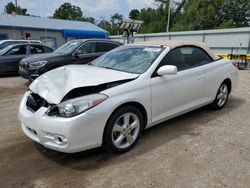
(123, 130)
(221, 97)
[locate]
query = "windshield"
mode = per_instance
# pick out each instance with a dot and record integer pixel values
(3, 51)
(68, 47)
(4, 45)
(132, 59)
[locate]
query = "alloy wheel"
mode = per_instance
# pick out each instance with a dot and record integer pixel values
(222, 95)
(125, 130)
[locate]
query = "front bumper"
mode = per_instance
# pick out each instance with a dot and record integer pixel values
(67, 135)
(29, 74)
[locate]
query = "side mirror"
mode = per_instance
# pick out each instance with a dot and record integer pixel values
(167, 70)
(78, 52)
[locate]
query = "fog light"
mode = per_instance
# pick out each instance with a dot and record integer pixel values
(56, 139)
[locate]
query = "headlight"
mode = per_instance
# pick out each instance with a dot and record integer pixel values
(38, 64)
(76, 106)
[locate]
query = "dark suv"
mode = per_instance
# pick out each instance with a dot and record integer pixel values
(79, 51)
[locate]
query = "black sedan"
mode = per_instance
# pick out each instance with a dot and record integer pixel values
(80, 51)
(11, 55)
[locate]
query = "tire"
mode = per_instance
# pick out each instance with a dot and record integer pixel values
(123, 130)
(221, 97)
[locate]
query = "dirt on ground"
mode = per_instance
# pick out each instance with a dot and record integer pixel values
(203, 148)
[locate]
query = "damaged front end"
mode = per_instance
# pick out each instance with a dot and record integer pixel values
(75, 102)
(75, 106)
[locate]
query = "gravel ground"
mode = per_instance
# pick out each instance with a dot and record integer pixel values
(203, 148)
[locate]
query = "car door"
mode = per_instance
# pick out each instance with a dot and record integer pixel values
(176, 94)
(86, 53)
(211, 71)
(92, 50)
(9, 62)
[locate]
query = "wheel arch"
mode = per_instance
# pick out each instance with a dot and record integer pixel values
(229, 84)
(135, 104)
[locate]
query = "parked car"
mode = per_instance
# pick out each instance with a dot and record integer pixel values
(11, 55)
(79, 51)
(6, 43)
(109, 101)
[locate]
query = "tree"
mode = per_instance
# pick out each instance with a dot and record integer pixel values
(10, 8)
(207, 14)
(116, 20)
(68, 12)
(235, 13)
(112, 25)
(116, 17)
(198, 15)
(90, 19)
(175, 8)
(153, 19)
(134, 14)
(104, 24)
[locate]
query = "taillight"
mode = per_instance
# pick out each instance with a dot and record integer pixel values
(236, 64)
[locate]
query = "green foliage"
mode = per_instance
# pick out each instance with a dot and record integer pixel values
(194, 15)
(116, 16)
(112, 26)
(134, 14)
(235, 13)
(153, 19)
(10, 7)
(207, 14)
(104, 24)
(68, 12)
(90, 19)
(197, 15)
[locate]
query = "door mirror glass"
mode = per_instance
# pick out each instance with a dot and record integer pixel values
(167, 70)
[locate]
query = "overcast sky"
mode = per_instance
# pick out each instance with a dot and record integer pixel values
(93, 8)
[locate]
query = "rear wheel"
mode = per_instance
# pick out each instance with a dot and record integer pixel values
(123, 130)
(221, 97)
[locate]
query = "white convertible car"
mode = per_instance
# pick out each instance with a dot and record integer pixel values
(109, 101)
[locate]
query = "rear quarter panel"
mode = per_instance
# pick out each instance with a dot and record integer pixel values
(215, 73)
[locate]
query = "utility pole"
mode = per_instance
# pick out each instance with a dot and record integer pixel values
(169, 11)
(16, 4)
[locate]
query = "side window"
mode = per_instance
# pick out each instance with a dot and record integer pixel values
(4, 45)
(88, 48)
(177, 58)
(47, 50)
(201, 57)
(187, 57)
(36, 49)
(112, 46)
(105, 46)
(19, 50)
(102, 47)
(19, 42)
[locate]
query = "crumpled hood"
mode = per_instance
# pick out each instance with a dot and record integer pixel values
(55, 84)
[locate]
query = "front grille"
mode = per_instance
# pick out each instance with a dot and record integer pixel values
(34, 102)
